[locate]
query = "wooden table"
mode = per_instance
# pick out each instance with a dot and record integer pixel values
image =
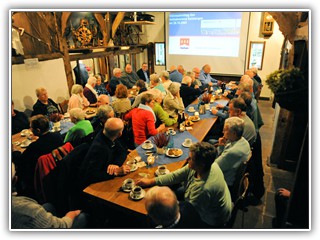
(17, 139)
(109, 193)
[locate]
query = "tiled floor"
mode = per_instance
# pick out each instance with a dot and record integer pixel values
(260, 217)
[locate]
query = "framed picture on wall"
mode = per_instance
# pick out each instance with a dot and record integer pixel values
(127, 59)
(116, 61)
(256, 53)
(160, 54)
(121, 62)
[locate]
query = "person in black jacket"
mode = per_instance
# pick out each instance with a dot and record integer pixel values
(143, 73)
(106, 155)
(188, 93)
(20, 121)
(44, 104)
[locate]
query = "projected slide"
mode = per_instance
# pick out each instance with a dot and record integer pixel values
(205, 33)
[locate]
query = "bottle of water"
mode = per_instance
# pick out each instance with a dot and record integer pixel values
(170, 143)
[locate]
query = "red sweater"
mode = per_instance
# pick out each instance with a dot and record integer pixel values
(142, 123)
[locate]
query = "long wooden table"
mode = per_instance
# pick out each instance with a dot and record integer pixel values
(109, 192)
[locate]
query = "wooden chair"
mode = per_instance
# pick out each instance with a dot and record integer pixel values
(240, 202)
(63, 106)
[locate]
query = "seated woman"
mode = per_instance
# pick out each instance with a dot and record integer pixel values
(162, 115)
(89, 92)
(172, 102)
(100, 87)
(141, 86)
(81, 128)
(77, 99)
(26, 164)
(121, 104)
(155, 82)
(204, 185)
(20, 121)
(143, 120)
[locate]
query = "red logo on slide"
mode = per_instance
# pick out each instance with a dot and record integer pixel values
(184, 43)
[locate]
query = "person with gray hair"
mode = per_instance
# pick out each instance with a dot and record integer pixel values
(115, 80)
(89, 92)
(77, 99)
(165, 79)
(233, 149)
(81, 128)
(129, 77)
(172, 102)
(165, 211)
(44, 103)
(162, 116)
(203, 185)
(188, 93)
(104, 112)
(105, 156)
(155, 82)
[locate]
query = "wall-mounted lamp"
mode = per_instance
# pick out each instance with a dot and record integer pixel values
(125, 47)
(267, 25)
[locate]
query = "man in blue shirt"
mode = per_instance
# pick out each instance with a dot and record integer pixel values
(174, 75)
(205, 77)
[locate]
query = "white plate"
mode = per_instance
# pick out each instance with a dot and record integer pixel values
(191, 110)
(147, 148)
(158, 174)
(143, 193)
(185, 145)
(167, 153)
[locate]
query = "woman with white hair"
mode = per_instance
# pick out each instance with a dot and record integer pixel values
(155, 82)
(172, 102)
(77, 99)
(81, 128)
(89, 92)
(165, 79)
(162, 115)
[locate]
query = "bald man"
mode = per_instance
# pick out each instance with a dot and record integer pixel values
(129, 77)
(103, 99)
(166, 212)
(105, 156)
(205, 77)
(256, 84)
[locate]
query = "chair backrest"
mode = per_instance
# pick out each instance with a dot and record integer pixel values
(64, 106)
(234, 190)
(239, 203)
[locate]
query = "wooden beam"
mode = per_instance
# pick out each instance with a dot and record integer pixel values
(64, 19)
(103, 28)
(41, 57)
(117, 22)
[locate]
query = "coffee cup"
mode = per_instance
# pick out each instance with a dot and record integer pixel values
(147, 143)
(196, 113)
(136, 191)
(129, 183)
(187, 141)
(162, 169)
(191, 109)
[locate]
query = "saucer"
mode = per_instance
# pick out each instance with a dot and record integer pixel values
(126, 189)
(147, 147)
(172, 133)
(143, 193)
(186, 145)
(133, 167)
(159, 174)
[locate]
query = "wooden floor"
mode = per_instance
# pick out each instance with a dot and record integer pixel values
(260, 216)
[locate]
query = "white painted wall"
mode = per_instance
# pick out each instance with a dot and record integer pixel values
(48, 74)
(51, 74)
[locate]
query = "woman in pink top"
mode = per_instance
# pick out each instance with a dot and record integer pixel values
(77, 99)
(143, 120)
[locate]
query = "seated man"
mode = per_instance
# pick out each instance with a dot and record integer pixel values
(115, 80)
(188, 93)
(205, 77)
(103, 100)
(143, 72)
(81, 128)
(165, 79)
(165, 211)
(19, 120)
(43, 103)
(104, 112)
(105, 156)
(129, 78)
(46, 142)
(204, 185)
(174, 75)
(233, 149)
(89, 92)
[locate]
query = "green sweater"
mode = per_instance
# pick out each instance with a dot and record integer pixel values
(79, 130)
(163, 115)
(27, 213)
(210, 196)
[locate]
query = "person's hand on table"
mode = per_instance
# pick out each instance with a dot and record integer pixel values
(161, 128)
(219, 106)
(214, 111)
(117, 171)
(146, 182)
